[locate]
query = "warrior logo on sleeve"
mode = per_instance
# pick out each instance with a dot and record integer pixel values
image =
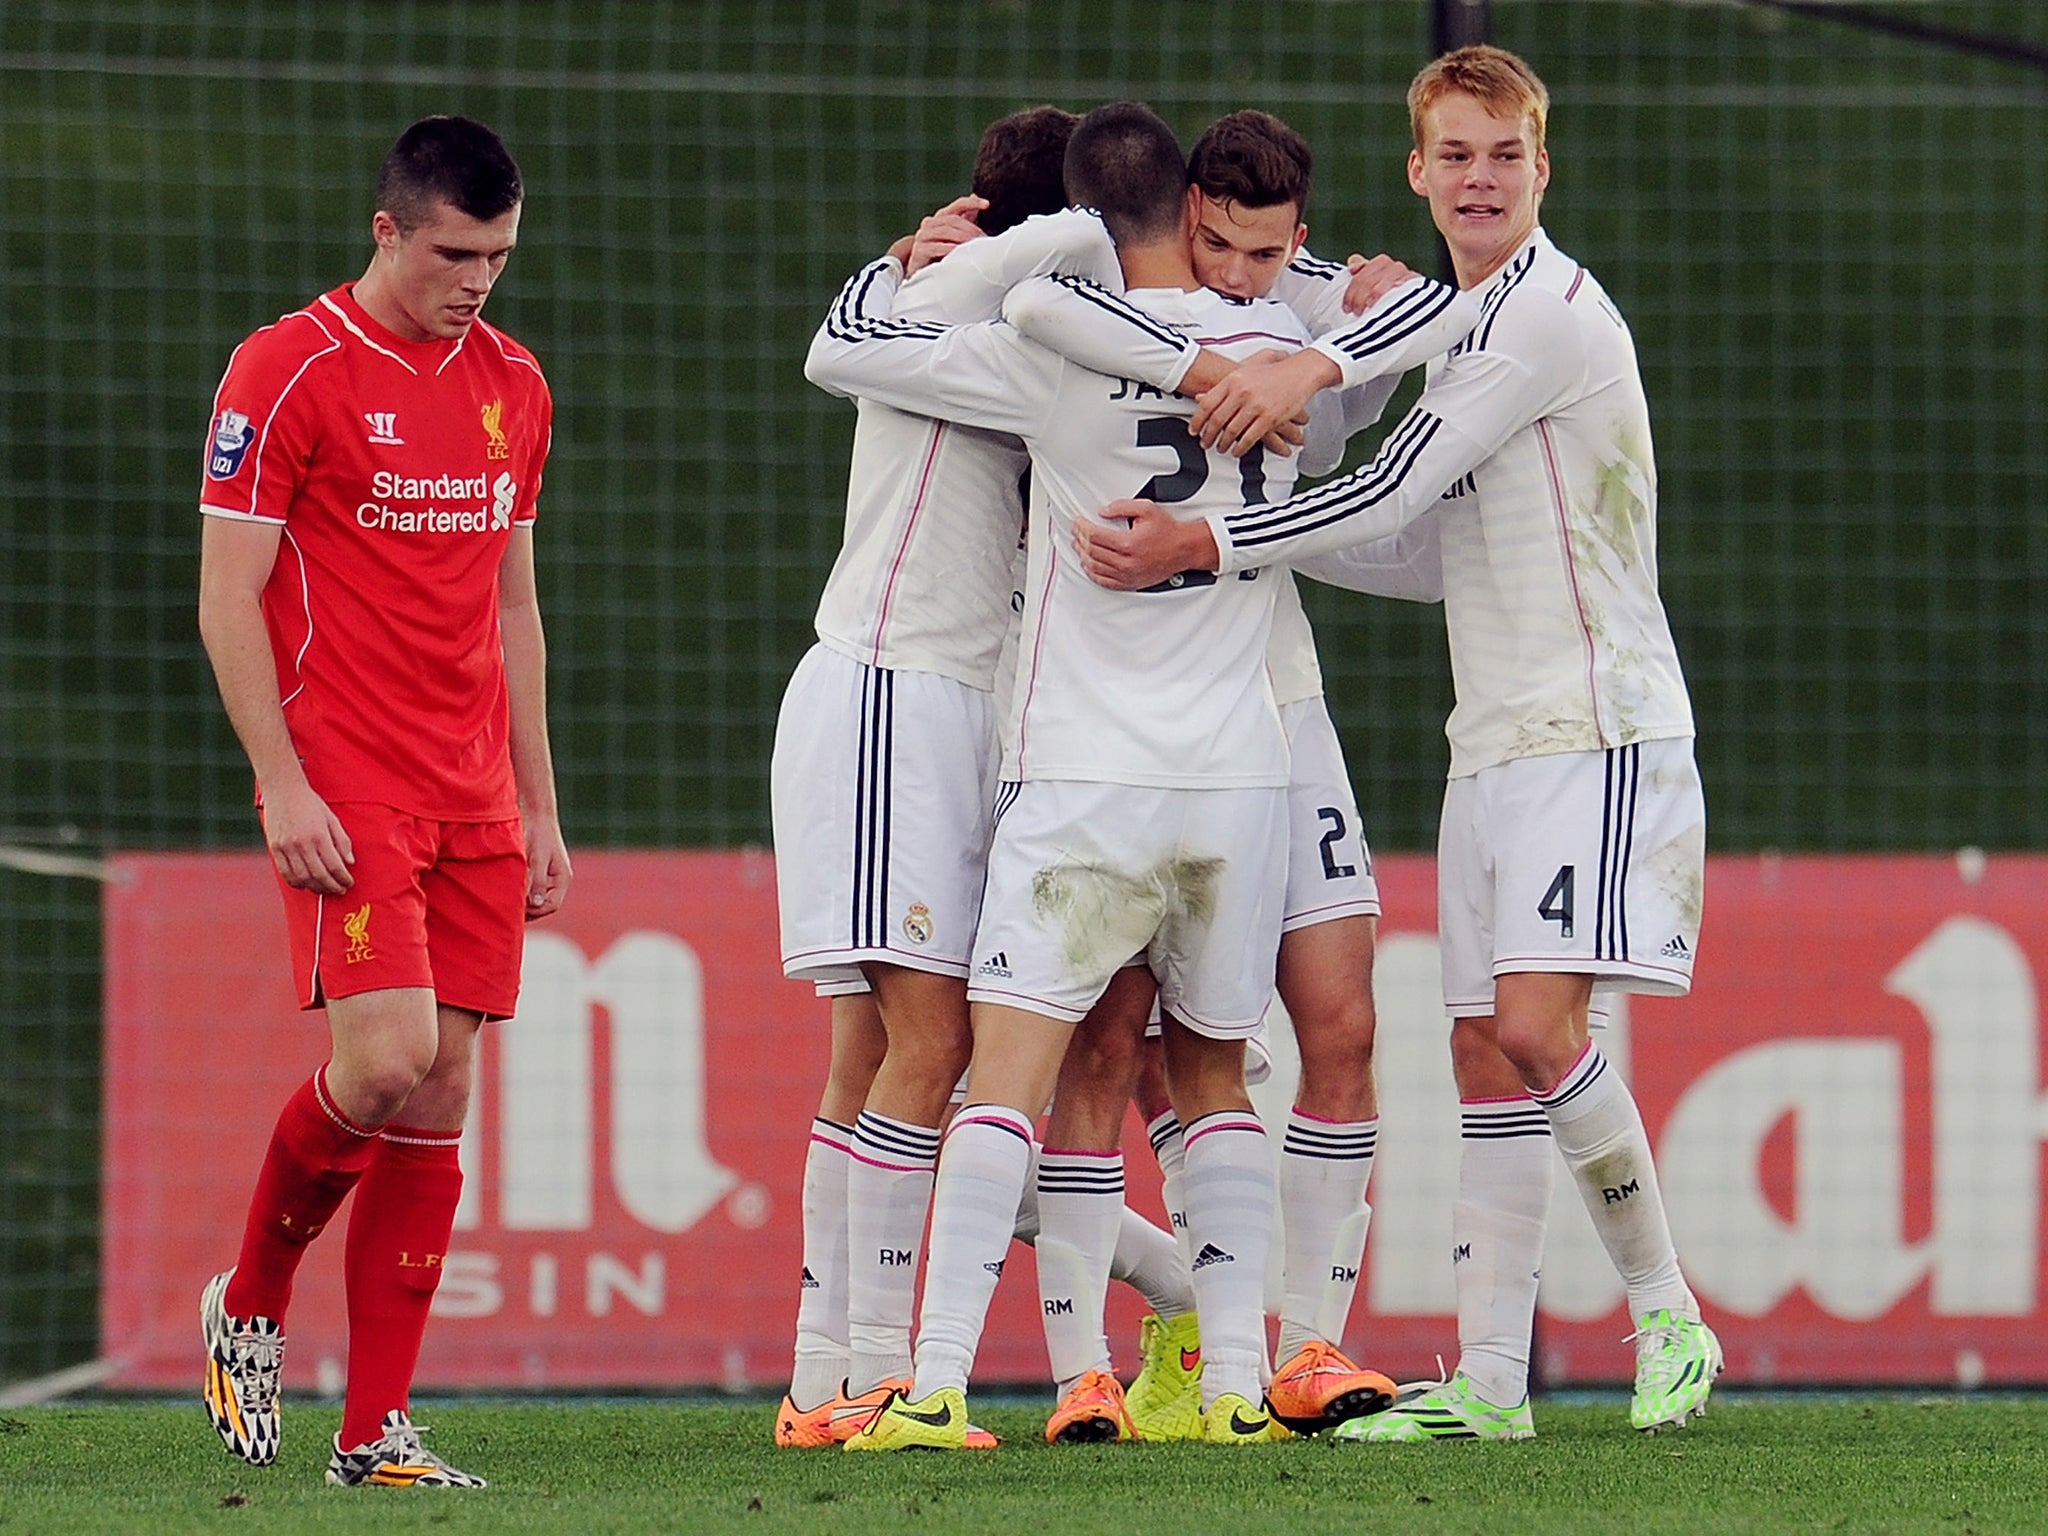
(231, 438)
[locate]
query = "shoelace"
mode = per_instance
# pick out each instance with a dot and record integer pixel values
(255, 1356)
(1402, 1389)
(403, 1445)
(1653, 1347)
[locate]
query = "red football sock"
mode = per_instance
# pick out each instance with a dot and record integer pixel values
(397, 1243)
(316, 1155)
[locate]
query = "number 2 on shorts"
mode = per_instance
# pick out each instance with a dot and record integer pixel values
(1332, 870)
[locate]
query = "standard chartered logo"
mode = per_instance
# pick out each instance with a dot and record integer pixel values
(387, 510)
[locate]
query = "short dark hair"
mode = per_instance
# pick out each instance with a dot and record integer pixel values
(1253, 159)
(1125, 163)
(1018, 166)
(456, 160)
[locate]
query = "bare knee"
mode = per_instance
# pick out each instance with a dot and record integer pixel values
(1482, 1070)
(1523, 1043)
(1336, 1044)
(1204, 1075)
(440, 1100)
(385, 1045)
(858, 1045)
(1150, 1093)
(372, 1090)
(931, 1054)
(924, 1017)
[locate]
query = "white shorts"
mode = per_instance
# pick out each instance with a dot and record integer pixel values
(1586, 863)
(1329, 866)
(1083, 876)
(881, 790)
(1258, 1055)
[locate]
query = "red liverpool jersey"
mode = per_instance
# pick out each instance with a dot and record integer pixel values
(397, 470)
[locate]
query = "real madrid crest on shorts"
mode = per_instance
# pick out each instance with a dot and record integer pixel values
(917, 923)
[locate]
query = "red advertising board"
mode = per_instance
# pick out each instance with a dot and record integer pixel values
(1848, 1112)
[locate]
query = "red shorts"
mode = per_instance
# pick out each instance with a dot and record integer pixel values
(438, 904)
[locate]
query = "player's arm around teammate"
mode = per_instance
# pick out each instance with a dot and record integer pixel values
(1249, 187)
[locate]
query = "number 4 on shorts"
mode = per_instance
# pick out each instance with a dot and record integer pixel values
(1556, 905)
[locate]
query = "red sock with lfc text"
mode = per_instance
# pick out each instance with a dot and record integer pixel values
(397, 1248)
(316, 1154)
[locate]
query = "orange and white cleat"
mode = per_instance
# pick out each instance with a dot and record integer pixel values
(804, 1429)
(1093, 1410)
(1318, 1388)
(851, 1412)
(396, 1459)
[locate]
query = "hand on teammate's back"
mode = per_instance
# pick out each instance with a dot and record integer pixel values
(939, 232)
(1258, 398)
(308, 843)
(1372, 279)
(1131, 545)
(1284, 436)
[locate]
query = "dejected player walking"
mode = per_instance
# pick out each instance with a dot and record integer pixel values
(367, 599)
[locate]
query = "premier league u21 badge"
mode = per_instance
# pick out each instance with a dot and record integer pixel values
(231, 437)
(917, 923)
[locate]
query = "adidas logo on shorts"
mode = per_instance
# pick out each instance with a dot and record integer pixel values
(997, 964)
(1211, 1254)
(809, 1281)
(1676, 949)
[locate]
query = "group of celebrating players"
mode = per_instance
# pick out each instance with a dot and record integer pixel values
(1058, 775)
(1057, 803)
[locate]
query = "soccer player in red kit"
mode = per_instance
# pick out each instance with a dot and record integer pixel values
(367, 600)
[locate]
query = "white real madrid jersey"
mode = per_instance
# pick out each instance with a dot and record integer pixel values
(1167, 687)
(1533, 439)
(934, 510)
(1404, 328)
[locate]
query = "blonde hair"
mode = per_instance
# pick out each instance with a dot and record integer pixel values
(1500, 81)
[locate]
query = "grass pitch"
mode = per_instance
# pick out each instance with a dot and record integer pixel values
(1890, 1464)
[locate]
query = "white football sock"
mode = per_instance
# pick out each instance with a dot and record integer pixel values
(1230, 1227)
(1170, 1147)
(888, 1191)
(1026, 1229)
(1600, 1132)
(1505, 1168)
(1324, 1166)
(1149, 1261)
(974, 1211)
(821, 1340)
(1080, 1207)
(1147, 1257)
